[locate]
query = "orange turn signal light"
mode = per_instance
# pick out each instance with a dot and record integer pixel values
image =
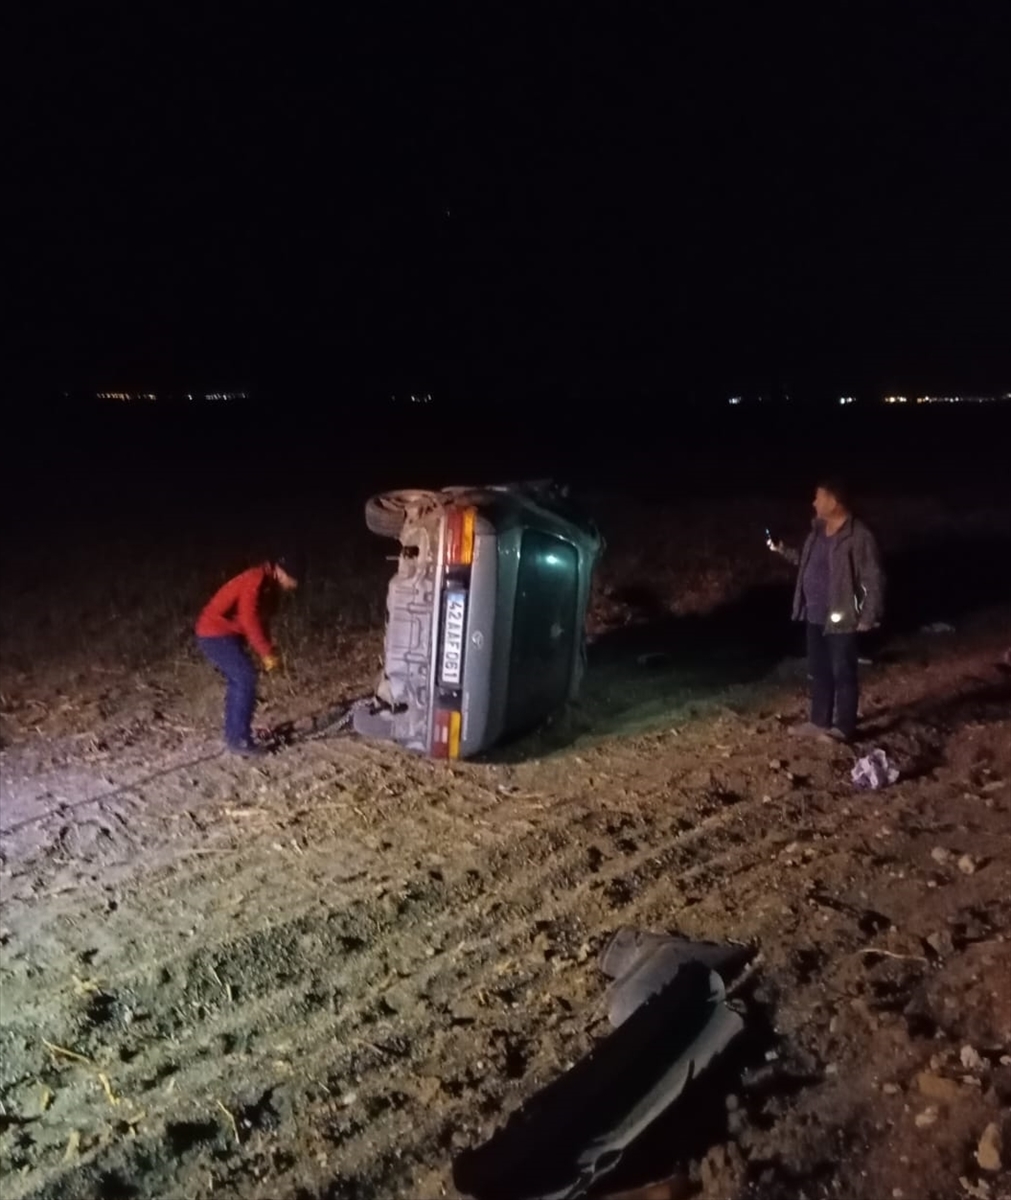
(460, 525)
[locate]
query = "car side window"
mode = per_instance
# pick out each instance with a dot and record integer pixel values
(544, 640)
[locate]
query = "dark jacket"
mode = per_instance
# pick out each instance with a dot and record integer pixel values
(856, 578)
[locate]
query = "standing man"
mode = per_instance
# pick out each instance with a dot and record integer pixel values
(235, 617)
(839, 594)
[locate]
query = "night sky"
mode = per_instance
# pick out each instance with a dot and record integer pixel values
(559, 199)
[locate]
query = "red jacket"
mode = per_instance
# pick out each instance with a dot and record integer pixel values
(235, 609)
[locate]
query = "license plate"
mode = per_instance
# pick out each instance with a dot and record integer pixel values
(452, 637)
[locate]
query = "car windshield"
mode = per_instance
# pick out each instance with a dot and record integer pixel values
(544, 633)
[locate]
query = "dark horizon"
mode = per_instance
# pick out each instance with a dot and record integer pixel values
(325, 396)
(495, 204)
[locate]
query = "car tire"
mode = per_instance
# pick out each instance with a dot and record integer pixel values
(386, 513)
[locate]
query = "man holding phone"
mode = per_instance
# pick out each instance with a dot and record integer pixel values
(839, 594)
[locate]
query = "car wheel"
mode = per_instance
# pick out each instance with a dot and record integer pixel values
(386, 513)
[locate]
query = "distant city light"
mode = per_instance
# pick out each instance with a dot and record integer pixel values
(946, 399)
(153, 396)
(426, 398)
(955, 399)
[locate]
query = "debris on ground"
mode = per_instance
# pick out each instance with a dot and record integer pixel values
(874, 771)
(641, 963)
(576, 1130)
(936, 1087)
(988, 1152)
(971, 1059)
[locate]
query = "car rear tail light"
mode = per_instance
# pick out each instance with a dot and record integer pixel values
(446, 735)
(460, 536)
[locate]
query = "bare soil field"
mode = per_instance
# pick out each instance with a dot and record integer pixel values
(324, 974)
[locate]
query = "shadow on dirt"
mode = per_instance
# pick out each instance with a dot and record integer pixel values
(749, 635)
(988, 702)
(675, 1139)
(659, 664)
(649, 671)
(545, 1147)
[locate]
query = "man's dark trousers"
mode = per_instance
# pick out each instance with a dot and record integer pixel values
(835, 687)
(228, 654)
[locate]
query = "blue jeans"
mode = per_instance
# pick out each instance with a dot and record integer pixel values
(228, 654)
(835, 688)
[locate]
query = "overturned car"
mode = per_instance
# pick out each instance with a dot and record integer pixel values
(485, 620)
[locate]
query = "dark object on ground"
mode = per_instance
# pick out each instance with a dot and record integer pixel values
(485, 616)
(327, 723)
(641, 963)
(576, 1130)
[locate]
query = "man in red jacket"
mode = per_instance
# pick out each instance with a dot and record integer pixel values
(235, 617)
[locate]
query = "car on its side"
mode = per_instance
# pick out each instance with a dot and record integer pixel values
(485, 624)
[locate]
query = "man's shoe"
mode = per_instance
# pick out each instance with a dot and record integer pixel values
(837, 735)
(247, 749)
(807, 729)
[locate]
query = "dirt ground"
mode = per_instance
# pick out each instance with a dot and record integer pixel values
(324, 974)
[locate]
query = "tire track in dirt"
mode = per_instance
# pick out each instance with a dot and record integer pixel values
(547, 872)
(280, 944)
(531, 981)
(560, 875)
(759, 864)
(401, 1125)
